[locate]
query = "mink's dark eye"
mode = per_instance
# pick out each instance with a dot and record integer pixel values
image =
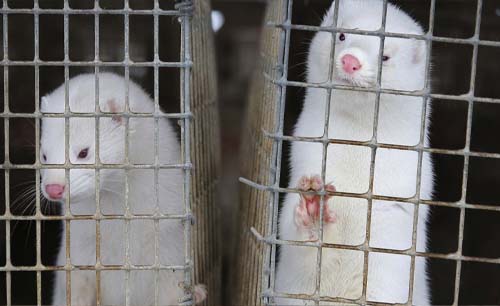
(83, 153)
(342, 37)
(385, 58)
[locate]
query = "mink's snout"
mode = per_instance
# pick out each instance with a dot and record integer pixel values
(350, 63)
(55, 191)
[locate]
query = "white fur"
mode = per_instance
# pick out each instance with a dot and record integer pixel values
(142, 197)
(348, 166)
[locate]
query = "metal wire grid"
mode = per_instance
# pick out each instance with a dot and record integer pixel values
(183, 12)
(273, 189)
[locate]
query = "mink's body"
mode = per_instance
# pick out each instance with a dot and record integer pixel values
(355, 62)
(141, 195)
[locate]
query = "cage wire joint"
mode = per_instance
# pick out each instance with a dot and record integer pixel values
(186, 7)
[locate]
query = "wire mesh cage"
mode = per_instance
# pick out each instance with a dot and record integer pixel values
(459, 39)
(159, 53)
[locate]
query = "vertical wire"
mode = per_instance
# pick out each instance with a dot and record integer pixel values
(6, 110)
(373, 142)
(470, 110)
(156, 148)
(37, 156)
(127, 150)
(97, 160)
(277, 147)
(186, 144)
(68, 265)
(422, 143)
(324, 154)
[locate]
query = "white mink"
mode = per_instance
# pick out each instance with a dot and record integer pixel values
(141, 198)
(355, 62)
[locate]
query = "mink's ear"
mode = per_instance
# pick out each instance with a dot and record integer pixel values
(114, 108)
(328, 18)
(419, 51)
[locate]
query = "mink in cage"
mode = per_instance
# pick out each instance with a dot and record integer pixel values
(456, 124)
(134, 53)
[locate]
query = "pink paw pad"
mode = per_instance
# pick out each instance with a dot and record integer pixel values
(307, 212)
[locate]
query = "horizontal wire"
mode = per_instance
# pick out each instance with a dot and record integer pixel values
(131, 216)
(97, 63)
(311, 297)
(95, 115)
(95, 167)
(323, 245)
(470, 41)
(95, 268)
(376, 89)
(91, 11)
(370, 144)
(367, 196)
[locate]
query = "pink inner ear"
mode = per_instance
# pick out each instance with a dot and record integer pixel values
(113, 108)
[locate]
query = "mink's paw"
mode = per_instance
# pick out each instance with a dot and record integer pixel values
(307, 212)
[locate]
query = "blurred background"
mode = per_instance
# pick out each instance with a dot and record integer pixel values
(237, 45)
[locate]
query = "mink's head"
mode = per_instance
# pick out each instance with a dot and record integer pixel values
(356, 59)
(82, 146)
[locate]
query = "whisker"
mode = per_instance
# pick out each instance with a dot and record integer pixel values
(29, 230)
(13, 187)
(21, 199)
(30, 205)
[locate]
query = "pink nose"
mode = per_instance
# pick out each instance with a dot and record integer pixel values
(350, 63)
(55, 191)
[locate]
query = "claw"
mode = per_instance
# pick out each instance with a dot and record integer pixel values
(307, 212)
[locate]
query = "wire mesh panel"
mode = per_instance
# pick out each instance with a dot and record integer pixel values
(132, 79)
(266, 139)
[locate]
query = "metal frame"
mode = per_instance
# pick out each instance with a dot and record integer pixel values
(183, 11)
(270, 237)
